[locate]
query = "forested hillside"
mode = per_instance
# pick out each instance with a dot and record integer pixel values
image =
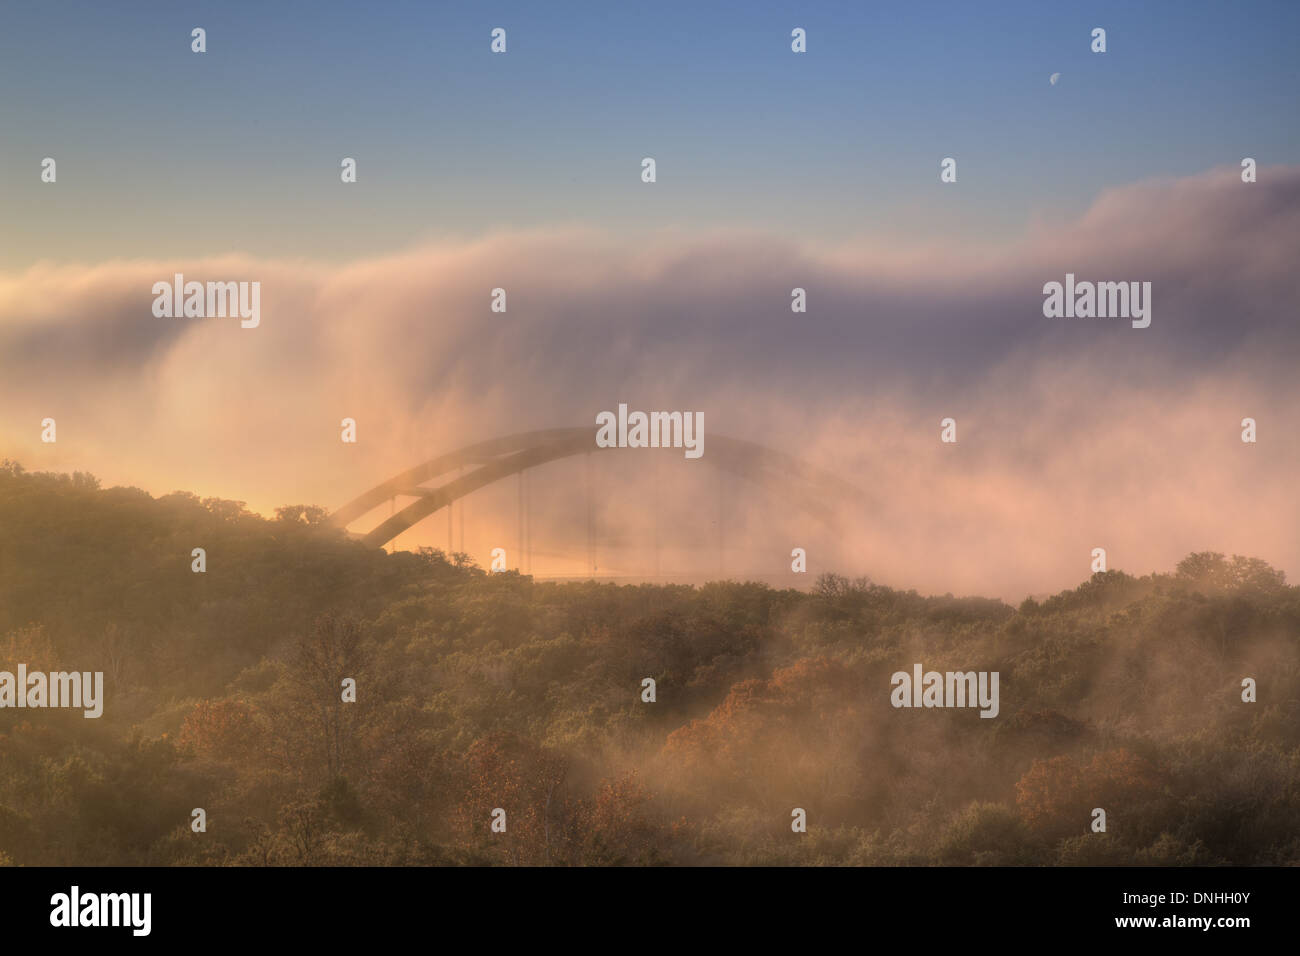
(478, 691)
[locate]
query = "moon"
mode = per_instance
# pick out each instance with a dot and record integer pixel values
(1053, 78)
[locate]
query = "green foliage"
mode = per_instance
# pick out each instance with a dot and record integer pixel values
(987, 834)
(478, 691)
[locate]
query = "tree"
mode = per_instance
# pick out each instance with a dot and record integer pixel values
(225, 729)
(302, 514)
(527, 781)
(1211, 571)
(332, 650)
(1056, 796)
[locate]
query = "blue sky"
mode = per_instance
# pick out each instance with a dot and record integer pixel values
(165, 152)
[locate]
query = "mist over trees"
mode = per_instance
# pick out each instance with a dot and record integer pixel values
(479, 691)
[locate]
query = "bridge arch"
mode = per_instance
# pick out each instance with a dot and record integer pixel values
(815, 491)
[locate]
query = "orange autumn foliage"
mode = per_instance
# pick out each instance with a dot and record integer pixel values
(222, 729)
(1057, 795)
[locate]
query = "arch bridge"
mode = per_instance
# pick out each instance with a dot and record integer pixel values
(439, 482)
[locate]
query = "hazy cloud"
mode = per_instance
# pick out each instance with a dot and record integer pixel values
(1073, 433)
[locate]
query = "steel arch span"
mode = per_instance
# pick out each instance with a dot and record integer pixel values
(814, 490)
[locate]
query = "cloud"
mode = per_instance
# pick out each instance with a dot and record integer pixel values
(1072, 433)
